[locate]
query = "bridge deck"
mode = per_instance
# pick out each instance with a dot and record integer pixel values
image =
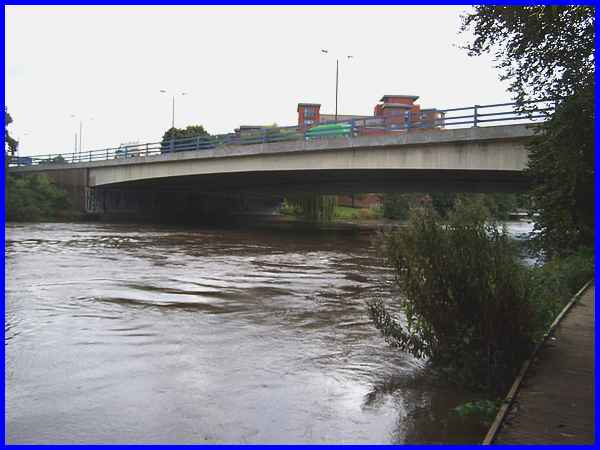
(556, 402)
(421, 139)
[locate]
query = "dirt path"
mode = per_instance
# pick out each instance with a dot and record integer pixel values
(555, 404)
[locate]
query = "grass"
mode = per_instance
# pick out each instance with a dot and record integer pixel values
(341, 212)
(349, 213)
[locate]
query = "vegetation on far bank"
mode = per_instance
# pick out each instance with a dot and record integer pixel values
(35, 198)
(396, 206)
(313, 208)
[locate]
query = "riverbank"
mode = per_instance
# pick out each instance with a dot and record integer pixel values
(555, 401)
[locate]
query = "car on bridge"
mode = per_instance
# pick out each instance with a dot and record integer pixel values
(20, 160)
(127, 150)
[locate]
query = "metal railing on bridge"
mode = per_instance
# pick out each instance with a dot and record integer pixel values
(465, 117)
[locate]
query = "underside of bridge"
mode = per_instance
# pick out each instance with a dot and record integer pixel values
(198, 197)
(336, 182)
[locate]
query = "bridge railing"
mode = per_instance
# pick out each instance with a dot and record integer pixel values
(443, 119)
(507, 113)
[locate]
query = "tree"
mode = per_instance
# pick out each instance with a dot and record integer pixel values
(177, 139)
(11, 143)
(56, 160)
(314, 208)
(561, 164)
(398, 205)
(548, 52)
(545, 51)
(189, 131)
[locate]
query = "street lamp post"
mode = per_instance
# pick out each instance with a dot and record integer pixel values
(164, 91)
(337, 80)
(73, 116)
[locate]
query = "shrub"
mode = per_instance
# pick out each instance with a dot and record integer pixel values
(486, 410)
(396, 206)
(465, 296)
(554, 283)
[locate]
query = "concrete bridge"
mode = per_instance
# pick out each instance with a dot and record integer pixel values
(477, 159)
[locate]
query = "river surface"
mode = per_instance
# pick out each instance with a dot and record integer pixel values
(146, 334)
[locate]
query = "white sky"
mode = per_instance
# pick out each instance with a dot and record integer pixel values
(240, 65)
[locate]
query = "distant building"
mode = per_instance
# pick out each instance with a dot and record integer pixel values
(308, 114)
(393, 111)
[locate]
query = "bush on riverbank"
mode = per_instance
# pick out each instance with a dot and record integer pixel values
(469, 304)
(554, 283)
(465, 295)
(32, 198)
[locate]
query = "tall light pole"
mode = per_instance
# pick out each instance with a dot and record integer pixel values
(73, 116)
(164, 91)
(337, 79)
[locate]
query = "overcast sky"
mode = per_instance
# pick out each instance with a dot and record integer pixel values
(239, 66)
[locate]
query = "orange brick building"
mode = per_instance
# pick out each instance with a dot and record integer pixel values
(395, 111)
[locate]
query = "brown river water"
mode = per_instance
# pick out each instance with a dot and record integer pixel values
(121, 333)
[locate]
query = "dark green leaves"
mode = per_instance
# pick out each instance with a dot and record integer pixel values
(464, 296)
(547, 52)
